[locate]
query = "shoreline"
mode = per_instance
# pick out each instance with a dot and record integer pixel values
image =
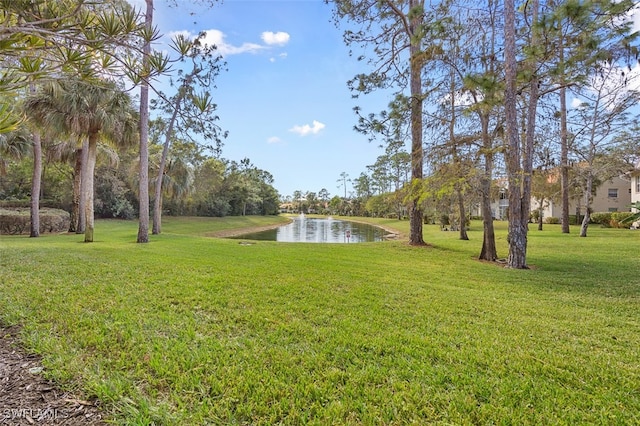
(392, 233)
(228, 233)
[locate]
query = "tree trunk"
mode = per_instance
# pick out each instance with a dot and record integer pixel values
(540, 227)
(540, 218)
(532, 113)
(157, 201)
(585, 223)
(75, 199)
(456, 161)
(416, 213)
(564, 162)
(588, 200)
(88, 187)
(82, 216)
(143, 215)
(463, 218)
(564, 144)
(517, 233)
(489, 251)
(35, 185)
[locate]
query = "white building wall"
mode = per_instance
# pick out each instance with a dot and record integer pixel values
(635, 188)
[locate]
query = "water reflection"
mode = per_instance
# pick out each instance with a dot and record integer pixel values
(317, 230)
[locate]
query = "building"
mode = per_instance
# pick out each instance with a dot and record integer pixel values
(635, 184)
(613, 195)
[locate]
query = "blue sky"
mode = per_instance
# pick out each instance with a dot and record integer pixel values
(284, 99)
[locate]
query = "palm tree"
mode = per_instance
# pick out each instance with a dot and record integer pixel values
(9, 121)
(13, 145)
(93, 111)
(635, 216)
(70, 150)
(143, 189)
(177, 180)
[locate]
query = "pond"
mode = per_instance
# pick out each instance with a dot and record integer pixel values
(319, 230)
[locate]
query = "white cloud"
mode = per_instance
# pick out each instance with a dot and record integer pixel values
(278, 39)
(140, 4)
(633, 77)
(274, 139)
(635, 18)
(185, 33)
(217, 38)
(306, 129)
(610, 86)
(576, 103)
(462, 98)
(280, 56)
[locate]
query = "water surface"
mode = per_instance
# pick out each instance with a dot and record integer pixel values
(319, 230)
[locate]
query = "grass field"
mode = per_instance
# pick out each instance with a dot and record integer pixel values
(193, 330)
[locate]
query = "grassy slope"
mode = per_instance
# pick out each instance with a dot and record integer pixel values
(193, 330)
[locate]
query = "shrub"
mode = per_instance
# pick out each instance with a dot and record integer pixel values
(112, 197)
(552, 220)
(601, 218)
(13, 204)
(617, 217)
(26, 204)
(534, 216)
(18, 221)
(214, 207)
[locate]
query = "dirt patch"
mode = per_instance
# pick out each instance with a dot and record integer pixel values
(27, 398)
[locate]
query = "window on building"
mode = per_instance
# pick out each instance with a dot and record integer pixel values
(613, 193)
(638, 184)
(613, 209)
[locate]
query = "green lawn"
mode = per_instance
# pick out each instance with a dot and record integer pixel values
(190, 330)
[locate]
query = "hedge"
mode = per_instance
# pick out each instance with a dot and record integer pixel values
(18, 221)
(617, 217)
(610, 219)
